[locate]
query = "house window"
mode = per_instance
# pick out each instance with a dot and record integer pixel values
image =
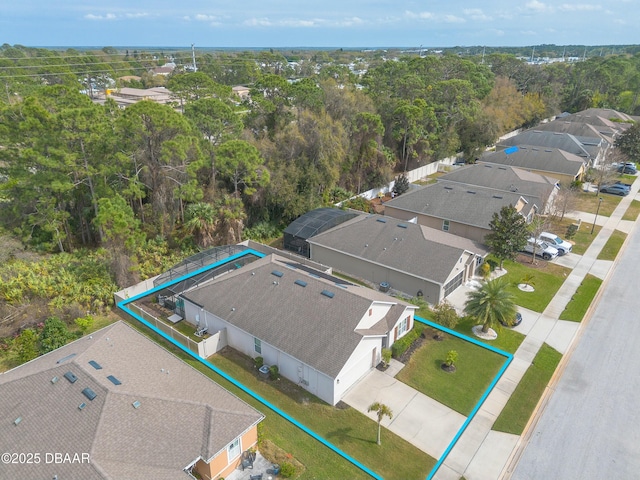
(257, 345)
(370, 311)
(445, 225)
(233, 450)
(403, 326)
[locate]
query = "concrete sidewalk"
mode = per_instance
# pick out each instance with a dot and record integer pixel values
(482, 454)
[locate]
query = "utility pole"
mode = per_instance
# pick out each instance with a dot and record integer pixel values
(193, 58)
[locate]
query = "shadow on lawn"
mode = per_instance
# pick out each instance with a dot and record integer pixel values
(343, 435)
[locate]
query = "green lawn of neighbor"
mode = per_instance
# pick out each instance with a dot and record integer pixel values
(508, 339)
(580, 301)
(613, 246)
(461, 390)
(633, 211)
(583, 237)
(523, 401)
(547, 279)
(588, 202)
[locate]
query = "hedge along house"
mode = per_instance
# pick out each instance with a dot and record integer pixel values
(411, 258)
(321, 332)
(127, 407)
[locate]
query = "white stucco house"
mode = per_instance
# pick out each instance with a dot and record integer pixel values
(323, 333)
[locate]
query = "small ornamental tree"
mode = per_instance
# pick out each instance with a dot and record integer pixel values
(401, 185)
(445, 314)
(382, 411)
(508, 234)
(629, 142)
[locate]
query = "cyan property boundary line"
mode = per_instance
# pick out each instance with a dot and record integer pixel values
(123, 306)
(493, 383)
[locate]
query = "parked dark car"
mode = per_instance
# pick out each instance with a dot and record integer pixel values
(516, 321)
(628, 167)
(615, 189)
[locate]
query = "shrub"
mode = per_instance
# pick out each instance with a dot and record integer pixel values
(444, 314)
(287, 470)
(485, 270)
(493, 264)
(274, 373)
(571, 231)
(452, 357)
(258, 362)
(401, 185)
(386, 355)
(400, 346)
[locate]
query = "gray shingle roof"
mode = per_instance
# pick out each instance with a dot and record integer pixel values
(417, 250)
(316, 329)
(582, 131)
(540, 138)
(552, 160)
(183, 415)
(466, 204)
(503, 178)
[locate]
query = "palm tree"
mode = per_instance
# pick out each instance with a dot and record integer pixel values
(201, 221)
(491, 304)
(383, 411)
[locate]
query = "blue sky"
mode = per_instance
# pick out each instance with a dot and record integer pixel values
(329, 23)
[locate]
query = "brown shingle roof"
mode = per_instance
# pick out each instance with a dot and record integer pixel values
(183, 415)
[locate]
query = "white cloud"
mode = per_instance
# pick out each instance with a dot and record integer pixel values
(108, 16)
(476, 14)
(421, 15)
(453, 19)
(566, 7)
(258, 22)
(538, 7)
(136, 15)
(205, 18)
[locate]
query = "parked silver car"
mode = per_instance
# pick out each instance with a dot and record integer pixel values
(556, 242)
(542, 249)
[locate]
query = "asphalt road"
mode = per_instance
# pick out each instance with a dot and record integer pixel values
(590, 428)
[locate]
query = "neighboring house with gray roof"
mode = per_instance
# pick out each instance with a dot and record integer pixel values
(505, 178)
(587, 134)
(460, 209)
(411, 258)
(323, 333)
(592, 152)
(127, 407)
(552, 162)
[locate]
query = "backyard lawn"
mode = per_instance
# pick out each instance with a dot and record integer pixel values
(346, 428)
(613, 246)
(633, 211)
(581, 300)
(461, 390)
(547, 279)
(508, 340)
(523, 401)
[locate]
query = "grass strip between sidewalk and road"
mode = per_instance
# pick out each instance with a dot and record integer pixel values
(523, 401)
(581, 300)
(613, 246)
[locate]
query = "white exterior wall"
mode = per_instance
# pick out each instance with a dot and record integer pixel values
(378, 311)
(408, 312)
(317, 383)
(364, 358)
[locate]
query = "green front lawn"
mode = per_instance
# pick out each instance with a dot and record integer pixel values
(632, 212)
(461, 390)
(547, 279)
(588, 202)
(613, 246)
(523, 401)
(580, 301)
(346, 428)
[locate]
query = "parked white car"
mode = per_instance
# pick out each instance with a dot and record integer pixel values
(543, 249)
(556, 242)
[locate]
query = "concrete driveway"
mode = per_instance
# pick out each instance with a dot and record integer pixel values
(420, 420)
